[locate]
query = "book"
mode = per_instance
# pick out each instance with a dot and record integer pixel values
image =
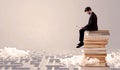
(94, 46)
(95, 55)
(98, 64)
(95, 43)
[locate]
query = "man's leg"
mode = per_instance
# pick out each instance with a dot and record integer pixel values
(81, 33)
(81, 38)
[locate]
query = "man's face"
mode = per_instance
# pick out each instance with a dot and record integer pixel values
(88, 12)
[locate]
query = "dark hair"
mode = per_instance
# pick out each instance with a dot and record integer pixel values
(88, 9)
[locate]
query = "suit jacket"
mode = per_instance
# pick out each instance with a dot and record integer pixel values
(92, 24)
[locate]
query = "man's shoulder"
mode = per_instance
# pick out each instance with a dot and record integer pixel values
(93, 15)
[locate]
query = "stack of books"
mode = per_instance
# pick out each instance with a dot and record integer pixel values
(95, 46)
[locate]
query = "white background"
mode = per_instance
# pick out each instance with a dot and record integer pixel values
(53, 25)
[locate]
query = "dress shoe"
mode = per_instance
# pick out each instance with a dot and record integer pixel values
(80, 45)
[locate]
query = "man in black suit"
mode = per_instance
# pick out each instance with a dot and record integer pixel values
(91, 26)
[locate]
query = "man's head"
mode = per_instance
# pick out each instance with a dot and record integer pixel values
(88, 10)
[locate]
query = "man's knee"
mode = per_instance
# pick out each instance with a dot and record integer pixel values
(81, 30)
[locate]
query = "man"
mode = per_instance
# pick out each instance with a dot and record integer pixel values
(91, 26)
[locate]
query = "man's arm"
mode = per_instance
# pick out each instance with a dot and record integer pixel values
(88, 25)
(91, 23)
